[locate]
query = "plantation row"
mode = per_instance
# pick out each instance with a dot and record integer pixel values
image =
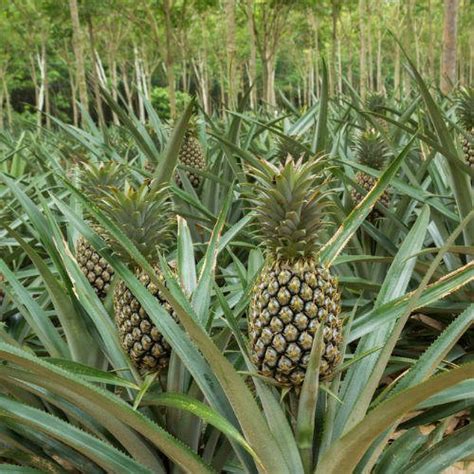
(245, 293)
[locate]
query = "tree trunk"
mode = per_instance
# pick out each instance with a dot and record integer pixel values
(380, 85)
(332, 66)
(139, 83)
(370, 67)
(396, 73)
(448, 69)
(232, 79)
(313, 20)
(170, 57)
(253, 55)
(363, 49)
(114, 81)
(349, 46)
(432, 48)
(95, 78)
(75, 111)
(78, 47)
(126, 86)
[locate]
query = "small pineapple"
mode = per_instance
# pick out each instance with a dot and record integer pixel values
(371, 150)
(293, 294)
(97, 181)
(143, 215)
(466, 117)
(192, 156)
(376, 103)
(291, 147)
(95, 268)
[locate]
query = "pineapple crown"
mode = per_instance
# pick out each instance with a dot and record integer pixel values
(290, 146)
(371, 149)
(97, 180)
(465, 103)
(290, 203)
(375, 102)
(143, 215)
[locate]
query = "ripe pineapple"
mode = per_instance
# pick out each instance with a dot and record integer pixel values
(97, 181)
(191, 155)
(371, 150)
(293, 294)
(466, 117)
(144, 216)
(376, 103)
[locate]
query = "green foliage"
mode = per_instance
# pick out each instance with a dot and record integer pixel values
(70, 398)
(161, 101)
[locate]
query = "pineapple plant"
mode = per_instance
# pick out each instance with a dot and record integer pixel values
(375, 103)
(144, 217)
(293, 294)
(371, 150)
(466, 117)
(2, 293)
(192, 156)
(97, 181)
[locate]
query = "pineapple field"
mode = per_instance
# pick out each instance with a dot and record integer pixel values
(236, 260)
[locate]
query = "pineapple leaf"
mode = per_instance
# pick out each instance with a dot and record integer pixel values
(107, 408)
(345, 453)
(184, 402)
(186, 261)
(35, 316)
(322, 134)
(91, 374)
(353, 221)
(165, 169)
(105, 455)
(444, 453)
(305, 420)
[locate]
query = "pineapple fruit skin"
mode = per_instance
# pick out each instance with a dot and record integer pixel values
(288, 303)
(96, 269)
(139, 337)
(368, 182)
(468, 148)
(190, 154)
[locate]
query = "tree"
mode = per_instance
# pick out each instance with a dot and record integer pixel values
(269, 22)
(448, 67)
(78, 46)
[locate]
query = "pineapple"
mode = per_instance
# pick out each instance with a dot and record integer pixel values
(192, 156)
(144, 216)
(371, 150)
(293, 294)
(95, 268)
(466, 117)
(97, 181)
(376, 103)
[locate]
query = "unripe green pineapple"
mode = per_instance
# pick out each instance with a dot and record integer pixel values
(371, 150)
(97, 181)
(143, 215)
(192, 156)
(466, 117)
(376, 103)
(293, 294)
